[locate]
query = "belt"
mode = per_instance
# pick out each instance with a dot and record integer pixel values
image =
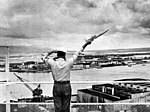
(61, 82)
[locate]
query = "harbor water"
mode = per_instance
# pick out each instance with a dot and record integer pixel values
(78, 77)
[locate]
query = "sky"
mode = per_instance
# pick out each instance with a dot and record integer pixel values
(66, 23)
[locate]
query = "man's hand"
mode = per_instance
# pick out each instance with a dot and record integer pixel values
(49, 53)
(89, 41)
(45, 56)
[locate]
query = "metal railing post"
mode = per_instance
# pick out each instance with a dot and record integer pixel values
(7, 86)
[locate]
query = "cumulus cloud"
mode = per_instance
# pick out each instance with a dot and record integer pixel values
(139, 16)
(53, 19)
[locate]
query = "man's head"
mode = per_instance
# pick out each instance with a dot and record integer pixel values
(61, 53)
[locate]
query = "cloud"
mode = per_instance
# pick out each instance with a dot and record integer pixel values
(138, 13)
(33, 18)
(55, 20)
(25, 7)
(82, 3)
(26, 18)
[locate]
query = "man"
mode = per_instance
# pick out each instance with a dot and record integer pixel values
(38, 91)
(37, 94)
(60, 68)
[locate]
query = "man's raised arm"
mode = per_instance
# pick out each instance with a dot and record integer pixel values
(87, 42)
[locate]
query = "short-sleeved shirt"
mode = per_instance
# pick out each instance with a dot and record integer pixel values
(61, 68)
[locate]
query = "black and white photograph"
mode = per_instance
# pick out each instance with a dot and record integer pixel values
(74, 55)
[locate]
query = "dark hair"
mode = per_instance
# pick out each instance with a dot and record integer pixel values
(61, 54)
